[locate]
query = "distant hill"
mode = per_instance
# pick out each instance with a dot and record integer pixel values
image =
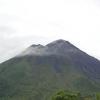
(39, 71)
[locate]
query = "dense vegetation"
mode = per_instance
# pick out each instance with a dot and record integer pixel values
(67, 95)
(37, 78)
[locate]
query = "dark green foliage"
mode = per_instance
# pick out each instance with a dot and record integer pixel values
(66, 95)
(98, 96)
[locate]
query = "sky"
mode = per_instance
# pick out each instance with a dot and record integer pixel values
(27, 22)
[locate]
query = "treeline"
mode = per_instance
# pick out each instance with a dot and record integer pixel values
(67, 95)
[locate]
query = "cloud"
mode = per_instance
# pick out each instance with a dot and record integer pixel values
(23, 23)
(6, 30)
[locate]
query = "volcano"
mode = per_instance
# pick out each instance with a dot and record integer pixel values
(39, 71)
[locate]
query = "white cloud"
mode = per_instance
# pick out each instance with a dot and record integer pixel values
(32, 21)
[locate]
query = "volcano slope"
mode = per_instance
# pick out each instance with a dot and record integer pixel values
(40, 71)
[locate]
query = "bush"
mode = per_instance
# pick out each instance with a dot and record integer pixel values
(66, 95)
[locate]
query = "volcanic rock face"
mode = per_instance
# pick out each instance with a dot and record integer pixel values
(58, 47)
(41, 70)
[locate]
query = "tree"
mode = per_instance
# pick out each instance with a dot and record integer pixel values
(66, 95)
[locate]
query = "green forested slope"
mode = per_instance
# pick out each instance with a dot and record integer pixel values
(37, 78)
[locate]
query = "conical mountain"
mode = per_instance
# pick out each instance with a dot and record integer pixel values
(39, 71)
